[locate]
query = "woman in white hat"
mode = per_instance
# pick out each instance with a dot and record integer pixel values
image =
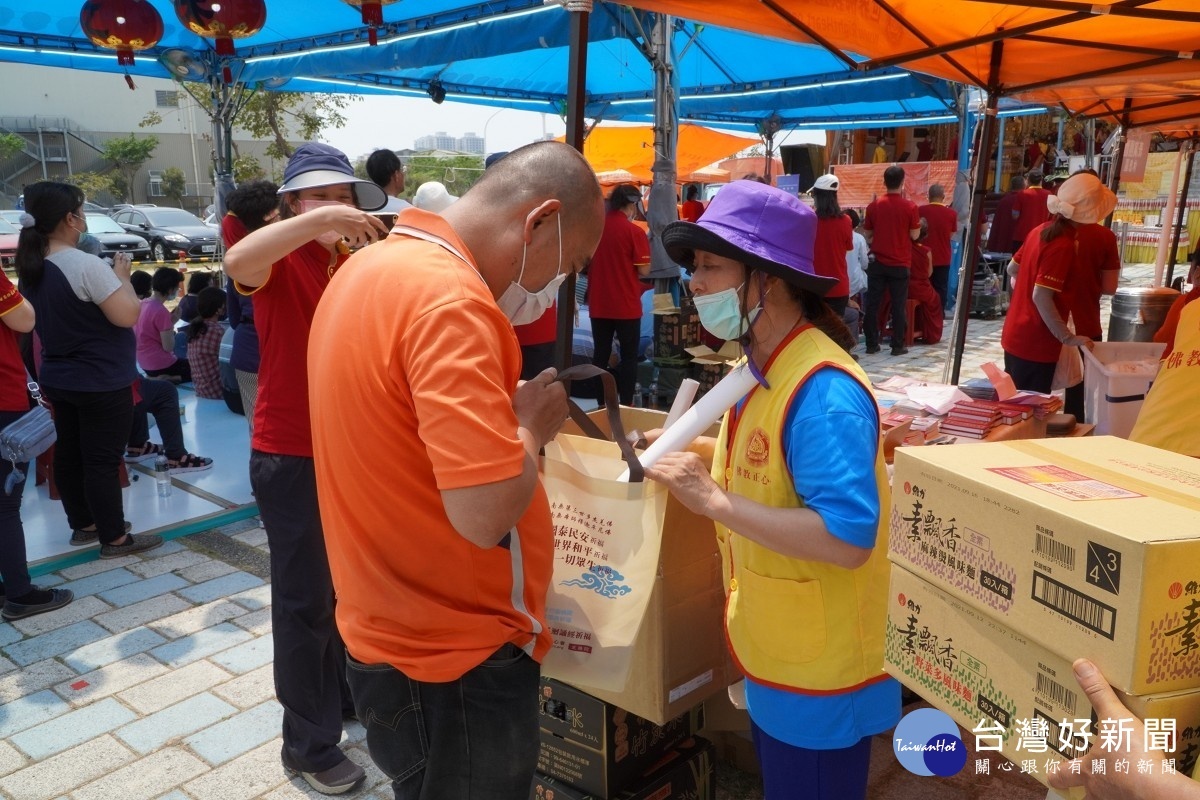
(835, 238)
(1035, 328)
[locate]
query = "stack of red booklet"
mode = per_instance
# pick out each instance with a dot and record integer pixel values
(972, 419)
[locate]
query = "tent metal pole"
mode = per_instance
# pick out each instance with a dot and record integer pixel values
(983, 152)
(576, 91)
(998, 186)
(1181, 216)
(662, 209)
(1119, 158)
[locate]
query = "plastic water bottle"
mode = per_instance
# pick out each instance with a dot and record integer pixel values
(162, 476)
(652, 392)
(637, 395)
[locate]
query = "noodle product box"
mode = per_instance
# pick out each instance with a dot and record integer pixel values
(687, 772)
(1088, 546)
(1006, 691)
(596, 746)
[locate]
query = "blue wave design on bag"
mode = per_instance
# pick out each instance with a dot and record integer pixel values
(602, 581)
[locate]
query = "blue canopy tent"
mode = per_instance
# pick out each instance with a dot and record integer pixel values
(513, 53)
(598, 61)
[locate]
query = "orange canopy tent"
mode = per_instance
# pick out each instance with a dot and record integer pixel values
(1133, 61)
(631, 149)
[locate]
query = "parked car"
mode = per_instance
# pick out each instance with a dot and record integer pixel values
(90, 207)
(12, 215)
(115, 239)
(9, 235)
(169, 231)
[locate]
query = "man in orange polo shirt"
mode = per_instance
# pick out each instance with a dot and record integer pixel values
(438, 531)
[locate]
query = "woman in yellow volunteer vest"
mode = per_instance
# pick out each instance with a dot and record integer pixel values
(1168, 415)
(796, 489)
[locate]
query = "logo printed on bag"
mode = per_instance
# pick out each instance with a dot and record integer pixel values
(602, 581)
(758, 449)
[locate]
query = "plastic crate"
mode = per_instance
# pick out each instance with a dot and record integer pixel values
(1113, 394)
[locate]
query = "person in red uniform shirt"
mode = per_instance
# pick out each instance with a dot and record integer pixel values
(615, 287)
(942, 222)
(891, 224)
(1035, 328)
(1031, 209)
(692, 208)
(286, 267)
(1004, 221)
(835, 238)
(928, 318)
(1097, 270)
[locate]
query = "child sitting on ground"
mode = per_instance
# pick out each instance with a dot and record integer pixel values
(204, 334)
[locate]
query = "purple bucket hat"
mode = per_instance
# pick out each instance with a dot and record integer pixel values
(761, 226)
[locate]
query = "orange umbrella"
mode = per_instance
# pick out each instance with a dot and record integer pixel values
(631, 149)
(1088, 57)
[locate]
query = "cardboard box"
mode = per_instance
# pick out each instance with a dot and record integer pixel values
(1088, 546)
(679, 657)
(993, 681)
(708, 367)
(598, 747)
(675, 329)
(687, 772)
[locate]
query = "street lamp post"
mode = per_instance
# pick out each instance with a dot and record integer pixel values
(485, 127)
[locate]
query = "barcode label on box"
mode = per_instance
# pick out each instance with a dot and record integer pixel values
(1054, 550)
(1075, 605)
(1054, 691)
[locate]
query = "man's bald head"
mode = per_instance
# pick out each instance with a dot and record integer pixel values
(537, 172)
(538, 201)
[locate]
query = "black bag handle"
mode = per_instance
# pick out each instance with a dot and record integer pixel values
(612, 406)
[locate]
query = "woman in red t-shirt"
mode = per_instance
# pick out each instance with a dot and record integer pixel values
(1035, 328)
(835, 238)
(615, 286)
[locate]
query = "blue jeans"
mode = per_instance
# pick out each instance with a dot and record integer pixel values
(475, 738)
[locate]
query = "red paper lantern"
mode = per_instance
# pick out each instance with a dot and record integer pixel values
(223, 20)
(372, 15)
(122, 25)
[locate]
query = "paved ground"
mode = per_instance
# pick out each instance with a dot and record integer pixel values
(156, 682)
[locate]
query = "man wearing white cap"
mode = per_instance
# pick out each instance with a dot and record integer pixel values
(433, 196)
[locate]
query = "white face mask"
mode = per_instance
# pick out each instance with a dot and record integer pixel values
(328, 238)
(522, 306)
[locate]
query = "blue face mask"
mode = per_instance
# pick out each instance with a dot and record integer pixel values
(721, 314)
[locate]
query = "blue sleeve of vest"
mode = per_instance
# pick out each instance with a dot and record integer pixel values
(830, 440)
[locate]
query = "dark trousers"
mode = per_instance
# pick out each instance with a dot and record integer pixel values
(939, 279)
(13, 567)
(797, 773)
(309, 654)
(883, 279)
(181, 369)
(628, 333)
(838, 304)
(92, 429)
(536, 359)
(475, 738)
(161, 399)
(1030, 376)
